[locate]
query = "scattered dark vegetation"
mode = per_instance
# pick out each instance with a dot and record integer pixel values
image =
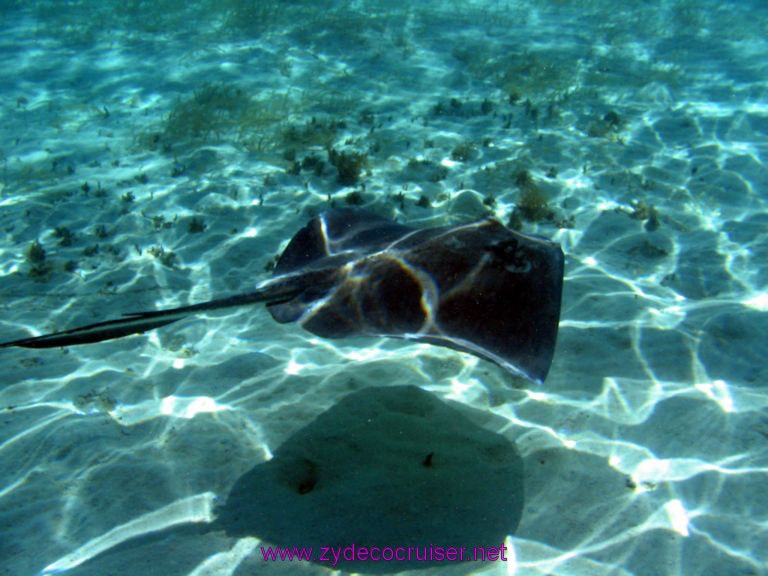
(105, 249)
(252, 17)
(418, 170)
(211, 110)
(315, 132)
(159, 222)
(530, 110)
(367, 117)
(223, 112)
(606, 127)
(39, 267)
(537, 75)
(196, 226)
(349, 165)
(65, 236)
(354, 198)
(399, 199)
(454, 107)
(464, 152)
(294, 169)
(649, 250)
(532, 203)
(100, 192)
(85, 21)
(457, 108)
(165, 257)
(101, 232)
(36, 253)
(178, 170)
(313, 163)
(641, 210)
(218, 111)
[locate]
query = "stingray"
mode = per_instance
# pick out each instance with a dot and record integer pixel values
(478, 287)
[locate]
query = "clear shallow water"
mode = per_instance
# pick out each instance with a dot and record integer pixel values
(636, 137)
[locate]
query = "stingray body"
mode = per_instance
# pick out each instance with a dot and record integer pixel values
(477, 287)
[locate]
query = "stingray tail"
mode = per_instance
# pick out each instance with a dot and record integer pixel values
(276, 290)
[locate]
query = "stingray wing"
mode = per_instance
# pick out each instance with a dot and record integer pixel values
(480, 287)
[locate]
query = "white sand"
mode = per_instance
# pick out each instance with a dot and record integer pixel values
(645, 450)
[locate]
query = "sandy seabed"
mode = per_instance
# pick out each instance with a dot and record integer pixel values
(155, 159)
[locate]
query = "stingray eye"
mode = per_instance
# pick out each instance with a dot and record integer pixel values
(509, 246)
(505, 251)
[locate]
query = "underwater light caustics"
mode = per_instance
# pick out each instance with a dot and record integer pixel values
(316, 490)
(198, 508)
(479, 288)
(758, 302)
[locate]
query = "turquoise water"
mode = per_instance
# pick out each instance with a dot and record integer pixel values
(155, 156)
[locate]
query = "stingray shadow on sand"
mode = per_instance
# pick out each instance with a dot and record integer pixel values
(387, 479)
